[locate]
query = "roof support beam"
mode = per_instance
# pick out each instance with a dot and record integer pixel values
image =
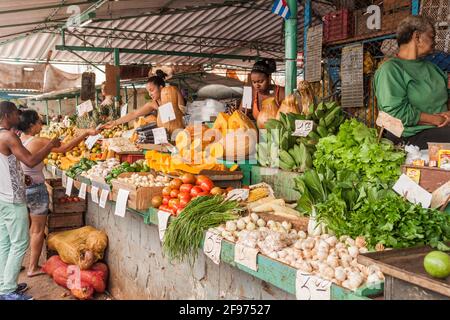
(159, 53)
(60, 5)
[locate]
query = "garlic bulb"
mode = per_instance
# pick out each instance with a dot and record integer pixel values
(331, 241)
(326, 272)
(333, 261)
(282, 254)
(306, 267)
(250, 226)
(226, 234)
(261, 223)
(230, 226)
(323, 246)
(350, 242)
(302, 234)
(298, 244)
(340, 274)
(360, 242)
(241, 224)
(355, 280)
(363, 250)
(314, 265)
(322, 255)
(247, 219)
(286, 225)
(343, 238)
(353, 251)
(307, 254)
(254, 217)
(273, 255)
(270, 223)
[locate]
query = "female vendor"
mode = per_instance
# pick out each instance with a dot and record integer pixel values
(414, 90)
(154, 87)
(261, 78)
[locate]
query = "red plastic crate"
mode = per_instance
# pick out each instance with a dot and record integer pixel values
(130, 158)
(338, 25)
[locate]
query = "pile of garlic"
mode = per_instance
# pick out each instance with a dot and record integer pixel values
(324, 255)
(101, 169)
(148, 180)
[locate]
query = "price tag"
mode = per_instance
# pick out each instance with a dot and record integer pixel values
(303, 128)
(310, 287)
(84, 107)
(163, 219)
(53, 168)
(103, 198)
(414, 193)
(160, 135)
(82, 191)
(124, 110)
(166, 112)
(91, 140)
(391, 124)
(121, 203)
(213, 246)
(69, 186)
(247, 98)
(440, 196)
(246, 256)
(94, 194)
(64, 179)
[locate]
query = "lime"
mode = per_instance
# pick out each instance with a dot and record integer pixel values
(437, 264)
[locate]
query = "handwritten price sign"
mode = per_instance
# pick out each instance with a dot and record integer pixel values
(310, 287)
(246, 256)
(213, 246)
(303, 128)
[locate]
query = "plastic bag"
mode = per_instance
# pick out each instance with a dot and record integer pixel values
(82, 247)
(52, 264)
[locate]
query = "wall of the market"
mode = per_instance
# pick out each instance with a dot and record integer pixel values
(138, 269)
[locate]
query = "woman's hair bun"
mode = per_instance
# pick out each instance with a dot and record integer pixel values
(161, 74)
(266, 66)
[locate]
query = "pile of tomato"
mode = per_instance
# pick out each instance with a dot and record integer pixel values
(181, 191)
(69, 199)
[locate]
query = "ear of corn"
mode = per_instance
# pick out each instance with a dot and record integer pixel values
(257, 194)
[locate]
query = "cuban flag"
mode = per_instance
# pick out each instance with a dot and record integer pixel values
(281, 8)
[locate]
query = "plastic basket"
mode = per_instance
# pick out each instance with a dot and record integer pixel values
(130, 158)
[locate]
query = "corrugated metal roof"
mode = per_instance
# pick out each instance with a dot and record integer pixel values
(225, 27)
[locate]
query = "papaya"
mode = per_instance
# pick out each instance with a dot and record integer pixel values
(238, 120)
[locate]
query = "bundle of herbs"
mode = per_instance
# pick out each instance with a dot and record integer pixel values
(184, 235)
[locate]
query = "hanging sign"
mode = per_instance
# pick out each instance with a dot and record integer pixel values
(163, 219)
(64, 179)
(53, 168)
(166, 112)
(69, 186)
(94, 194)
(246, 256)
(91, 140)
(440, 196)
(247, 98)
(160, 135)
(212, 246)
(303, 128)
(310, 287)
(124, 110)
(121, 203)
(103, 198)
(391, 124)
(82, 192)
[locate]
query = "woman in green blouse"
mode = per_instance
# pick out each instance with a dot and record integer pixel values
(413, 90)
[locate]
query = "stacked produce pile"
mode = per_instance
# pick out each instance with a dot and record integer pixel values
(324, 255)
(102, 169)
(78, 168)
(279, 147)
(350, 190)
(146, 181)
(115, 132)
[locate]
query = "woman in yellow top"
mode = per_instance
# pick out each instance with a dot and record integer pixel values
(261, 79)
(154, 86)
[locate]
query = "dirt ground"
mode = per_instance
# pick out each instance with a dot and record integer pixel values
(42, 287)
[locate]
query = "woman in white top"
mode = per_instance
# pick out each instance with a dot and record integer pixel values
(36, 191)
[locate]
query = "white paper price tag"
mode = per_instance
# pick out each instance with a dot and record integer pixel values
(121, 203)
(53, 168)
(69, 186)
(247, 98)
(91, 140)
(124, 110)
(440, 196)
(82, 191)
(94, 194)
(103, 198)
(406, 187)
(166, 112)
(246, 256)
(303, 128)
(84, 107)
(163, 219)
(64, 179)
(391, 124)
(310, 287)
(160, 135)
(213, 246)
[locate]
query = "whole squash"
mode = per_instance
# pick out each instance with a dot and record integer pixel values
(170, 94)
(268, 111)
(289, 105)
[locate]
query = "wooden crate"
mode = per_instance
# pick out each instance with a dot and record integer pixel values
(139, 198)
(406, 277)
(56, 193)
(430, 178)
(66, 220)
(224, 179)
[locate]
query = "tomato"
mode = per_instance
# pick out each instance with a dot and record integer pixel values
(195, 191)
(173, 203)
(173, 211)
(200, 179)
(206, 185)
(186, 187)
(188, 178)
(176, 184)
(174, 193)
(165, 200)
(166, 191)
(163, 208)
(184, 199)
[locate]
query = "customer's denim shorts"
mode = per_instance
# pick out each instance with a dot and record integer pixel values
(37, 199)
